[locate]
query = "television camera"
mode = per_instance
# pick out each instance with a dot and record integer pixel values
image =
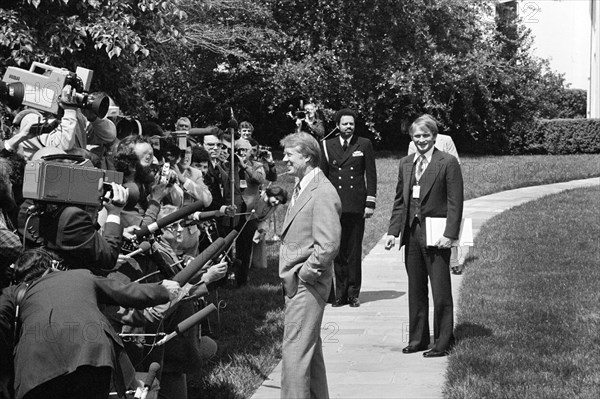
(52, 180)
(40, 88)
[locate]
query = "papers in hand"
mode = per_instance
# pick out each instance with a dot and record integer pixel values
(434, 230)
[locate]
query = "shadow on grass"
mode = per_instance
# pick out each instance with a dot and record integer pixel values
(464, 331)
(373, 296)
(248, 333)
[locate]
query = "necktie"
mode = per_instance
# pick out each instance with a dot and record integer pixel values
(294, 196)
(421, 165)
(345, 145)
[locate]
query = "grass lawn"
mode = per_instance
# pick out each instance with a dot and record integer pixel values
(529, 310)
(251, 324)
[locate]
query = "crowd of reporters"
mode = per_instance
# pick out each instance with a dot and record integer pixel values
(72, 267)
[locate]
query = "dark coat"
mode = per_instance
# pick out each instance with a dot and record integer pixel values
(441, 194)
(62, 327)
(352, 173)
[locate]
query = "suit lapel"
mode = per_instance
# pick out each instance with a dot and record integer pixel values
(431, 173)
(407, 172)
(301, 201)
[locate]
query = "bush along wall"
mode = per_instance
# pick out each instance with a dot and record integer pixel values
(564, 136)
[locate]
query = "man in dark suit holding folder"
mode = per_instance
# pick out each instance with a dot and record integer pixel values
(430, 184)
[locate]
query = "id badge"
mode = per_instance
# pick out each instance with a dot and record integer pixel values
(243, 184)
(416, 192)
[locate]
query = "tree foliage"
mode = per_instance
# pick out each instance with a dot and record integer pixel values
(464, 61)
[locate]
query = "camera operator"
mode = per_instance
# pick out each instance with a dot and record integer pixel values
(189, 178)
(70, 230)
(311, 121)
(263, 154)
(76, 128)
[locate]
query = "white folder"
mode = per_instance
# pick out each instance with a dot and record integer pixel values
(435, 227)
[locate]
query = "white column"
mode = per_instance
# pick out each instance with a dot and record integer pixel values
(593, 109)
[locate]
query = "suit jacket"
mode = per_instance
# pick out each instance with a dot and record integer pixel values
(441, 194)
(62, 326)
(353, 173)
(310, 238)
(74, 236)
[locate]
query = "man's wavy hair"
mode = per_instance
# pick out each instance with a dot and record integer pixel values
(125, 158)
(307, 145)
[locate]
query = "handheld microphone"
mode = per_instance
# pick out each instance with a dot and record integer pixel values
(143, 392)
(144, 247)
(188, 323)
(170, 218)
(196, 264)
(206, 215)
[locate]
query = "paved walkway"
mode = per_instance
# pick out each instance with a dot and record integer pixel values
(363, 346)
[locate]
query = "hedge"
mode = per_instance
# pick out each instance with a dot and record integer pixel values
(564, 136)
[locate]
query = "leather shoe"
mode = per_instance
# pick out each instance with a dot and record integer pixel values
(413, 349)
(353, 302)
(435, 353)
(338, 303)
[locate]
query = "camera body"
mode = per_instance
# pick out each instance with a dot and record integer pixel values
(263, 150)
(300, 114)
(60, 182)
(40, 88)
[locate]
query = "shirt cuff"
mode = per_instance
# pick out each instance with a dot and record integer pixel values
(113, 219)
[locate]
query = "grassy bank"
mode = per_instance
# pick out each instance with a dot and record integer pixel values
(251, 323)
(529, 310)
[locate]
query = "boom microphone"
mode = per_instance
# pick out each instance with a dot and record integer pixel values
(196, 264)
(188, 323)
(170, 218)
(203, 131)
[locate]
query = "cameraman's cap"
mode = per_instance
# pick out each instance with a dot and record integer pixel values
(245, 144)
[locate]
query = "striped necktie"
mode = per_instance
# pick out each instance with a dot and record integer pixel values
(421, 165)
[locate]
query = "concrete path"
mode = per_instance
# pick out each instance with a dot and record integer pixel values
(363, 346)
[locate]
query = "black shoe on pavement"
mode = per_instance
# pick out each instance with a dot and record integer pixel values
(353, 302)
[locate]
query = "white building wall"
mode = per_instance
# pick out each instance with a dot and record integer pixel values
(561, 34)
(593, 109)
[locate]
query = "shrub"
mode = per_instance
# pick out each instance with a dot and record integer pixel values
(566, 136)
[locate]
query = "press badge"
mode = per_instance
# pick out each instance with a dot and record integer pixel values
(416, 191)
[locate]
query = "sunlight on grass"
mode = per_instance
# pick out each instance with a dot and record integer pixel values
(251, 327)
(529, 315)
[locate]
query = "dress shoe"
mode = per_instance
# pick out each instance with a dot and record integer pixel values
(339, 302)
(353, 302)
(413, 349)
(435, 353)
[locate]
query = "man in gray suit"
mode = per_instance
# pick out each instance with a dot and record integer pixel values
(309, 243)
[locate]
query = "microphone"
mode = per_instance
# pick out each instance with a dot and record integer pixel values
(228, 241)
(232, 124)
(206, 215)
(196, 264)
(143, 392)
(170, 218)
(144, 247)
(188, 323)
(203, 131)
